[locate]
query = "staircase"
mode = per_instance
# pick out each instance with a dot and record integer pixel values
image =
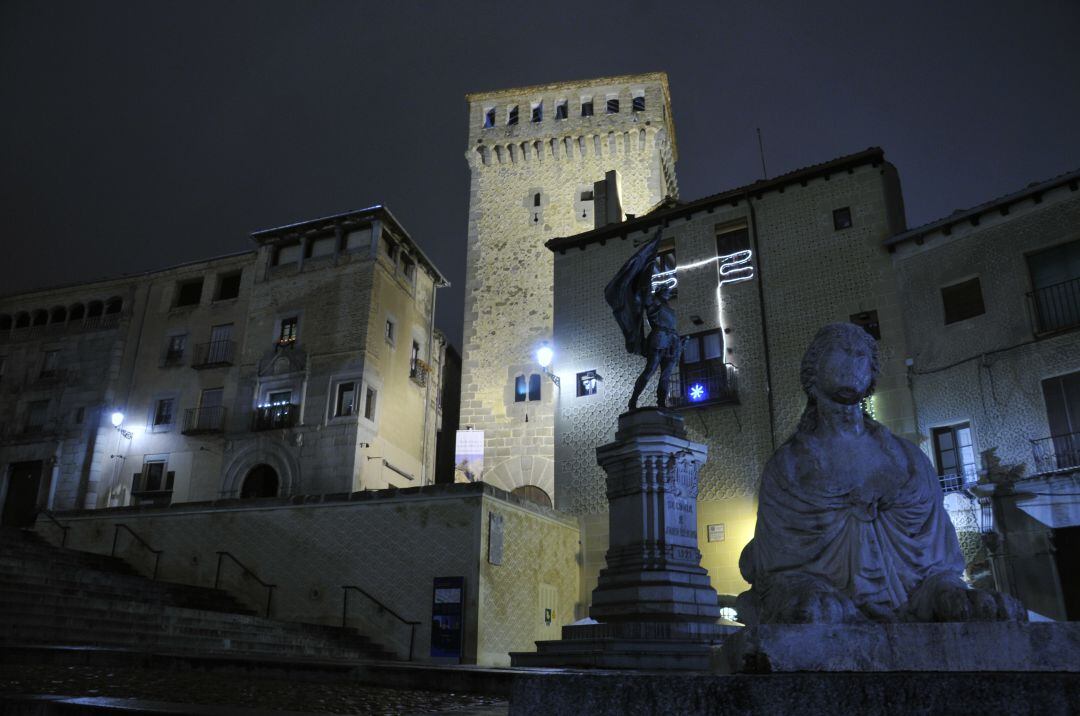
(62, 597)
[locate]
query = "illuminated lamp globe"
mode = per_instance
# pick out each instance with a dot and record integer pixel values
(117, 419)
(544, 355)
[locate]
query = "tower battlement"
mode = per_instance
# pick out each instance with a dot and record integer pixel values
(535, 154)
(643, 101)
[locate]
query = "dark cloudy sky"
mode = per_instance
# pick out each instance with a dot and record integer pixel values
(139, 134)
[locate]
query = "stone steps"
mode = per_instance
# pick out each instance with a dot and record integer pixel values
(181, 596)
(61, 597)
(622, 653)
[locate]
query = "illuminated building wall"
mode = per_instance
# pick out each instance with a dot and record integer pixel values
(809, 267)
(228, 367)
(530, 181)
(1004, 371)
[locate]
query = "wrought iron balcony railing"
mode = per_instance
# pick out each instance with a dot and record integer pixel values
(960, 480)
(1057, 452)
(198, 421)
(213, 354)
(418, 376)
(707, 383)
(276, 417)
(1057, 307)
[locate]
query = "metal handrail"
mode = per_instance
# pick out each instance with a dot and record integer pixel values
(52, 518)
(382, 607)
(140, 540)
(1056, 452)
(1055, 307)
(217, 577)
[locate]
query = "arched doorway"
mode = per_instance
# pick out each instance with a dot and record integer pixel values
(533, 494)
(261, 481)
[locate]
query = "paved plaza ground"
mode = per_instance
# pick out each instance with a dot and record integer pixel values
(224, 689)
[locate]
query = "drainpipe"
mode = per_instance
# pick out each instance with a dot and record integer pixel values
(427, 384)
(764, 321)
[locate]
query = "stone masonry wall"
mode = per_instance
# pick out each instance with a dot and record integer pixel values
(390, 543)
(508, 292)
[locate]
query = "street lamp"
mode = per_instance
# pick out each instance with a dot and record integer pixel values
(117, 419)
(544, 356)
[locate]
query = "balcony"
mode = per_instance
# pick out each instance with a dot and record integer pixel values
(276, 417)
(959, 481)
(1057, 452)
(213, 355)
(701, 384)
(1056, 308)
(202, 421)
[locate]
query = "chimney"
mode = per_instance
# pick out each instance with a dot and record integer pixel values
(607, 200)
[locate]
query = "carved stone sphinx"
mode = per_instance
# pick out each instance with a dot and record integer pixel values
(851, 525)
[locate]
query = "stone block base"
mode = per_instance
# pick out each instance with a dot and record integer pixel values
(680, 646)
(954, 646)
(601, 693)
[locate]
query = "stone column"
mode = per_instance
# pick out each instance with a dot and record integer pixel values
(654, 571)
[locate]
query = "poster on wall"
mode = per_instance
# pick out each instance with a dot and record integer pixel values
(469, 456)
(447, 618)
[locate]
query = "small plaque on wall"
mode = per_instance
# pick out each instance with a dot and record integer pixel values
(495, 538)
(716, 533)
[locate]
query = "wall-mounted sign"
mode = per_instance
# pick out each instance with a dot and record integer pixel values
(716, 533)
(469, 456)
(495, 538)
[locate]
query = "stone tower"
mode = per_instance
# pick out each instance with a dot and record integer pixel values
(534, 155)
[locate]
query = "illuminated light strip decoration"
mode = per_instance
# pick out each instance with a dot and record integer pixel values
(734, 268)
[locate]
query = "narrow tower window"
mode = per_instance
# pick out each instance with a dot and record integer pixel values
(612, 104)
(586, 107)
(512, 116)
(489, 118)
(537, 111)
(560, 109)
(639, 102)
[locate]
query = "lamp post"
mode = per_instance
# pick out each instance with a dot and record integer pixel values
(544, 356)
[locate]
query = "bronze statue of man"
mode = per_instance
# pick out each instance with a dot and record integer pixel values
(633, 298)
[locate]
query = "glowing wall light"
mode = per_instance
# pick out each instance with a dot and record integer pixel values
(697, 393)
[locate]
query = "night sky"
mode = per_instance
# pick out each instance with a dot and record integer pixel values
(135, 135)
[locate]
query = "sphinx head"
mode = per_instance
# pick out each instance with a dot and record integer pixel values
(841, 364)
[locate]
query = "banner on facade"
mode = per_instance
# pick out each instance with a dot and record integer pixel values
(469, 456)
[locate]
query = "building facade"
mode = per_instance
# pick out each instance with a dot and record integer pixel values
(308, 366)
(757, 271)
(534, 154)
(991, 300)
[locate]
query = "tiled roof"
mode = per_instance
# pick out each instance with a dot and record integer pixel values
(670, 208)
(377, 211)
(1001, 203)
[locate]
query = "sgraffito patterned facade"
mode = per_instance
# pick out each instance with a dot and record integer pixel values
(991, 372)
(806, 272)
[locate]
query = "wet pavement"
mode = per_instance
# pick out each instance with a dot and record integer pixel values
(239, 690)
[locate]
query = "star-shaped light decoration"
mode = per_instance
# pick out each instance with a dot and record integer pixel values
(697, 392)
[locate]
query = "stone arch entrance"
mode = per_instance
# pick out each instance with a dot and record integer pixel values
(261, 481)
(533, 494)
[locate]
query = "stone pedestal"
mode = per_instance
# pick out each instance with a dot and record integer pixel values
(653, 570)
(653, 600)
(929, 647)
